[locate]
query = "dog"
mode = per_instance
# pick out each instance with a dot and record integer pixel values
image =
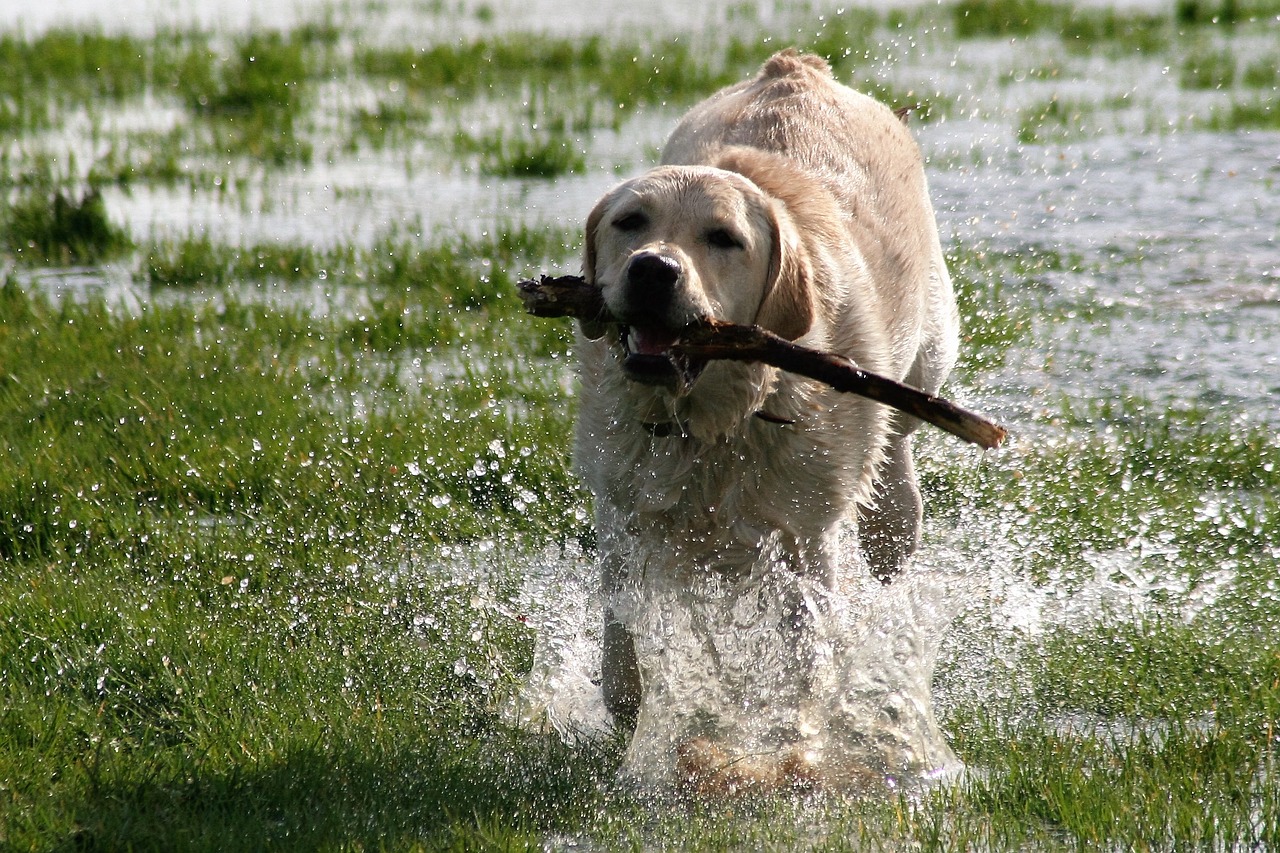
(794, 203)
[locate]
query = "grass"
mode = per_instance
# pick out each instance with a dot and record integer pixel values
(215, 636)
(1243, 112)
(1208, 69)
(524, 155)
(1057, 120)
(993, 318)
(47, 226)
(244, 523)
(64, 67)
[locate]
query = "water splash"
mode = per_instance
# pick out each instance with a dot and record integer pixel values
(766, 681)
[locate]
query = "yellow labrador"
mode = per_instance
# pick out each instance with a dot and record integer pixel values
(795, 203)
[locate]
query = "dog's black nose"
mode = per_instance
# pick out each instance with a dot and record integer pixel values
(653, 271)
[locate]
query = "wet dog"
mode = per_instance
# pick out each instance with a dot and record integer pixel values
(791, 202)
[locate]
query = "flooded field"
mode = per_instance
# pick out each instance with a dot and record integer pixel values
(293, 547)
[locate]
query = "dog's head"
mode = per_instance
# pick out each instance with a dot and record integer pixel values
(681, 244)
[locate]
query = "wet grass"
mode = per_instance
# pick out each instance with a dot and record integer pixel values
(66, 68)
(994, 293)
(233, 681)
(219, 621)
(524, 155)
(240, 522)
(48, 226)
(1242, 112)
(1057, 120)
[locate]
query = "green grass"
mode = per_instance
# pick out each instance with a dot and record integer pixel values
(973, 19)
(108, 421)
(1241, 112)
(1057, 120)
(214, 637)
(1131, 468)
(64, 67)
(994, 290)
(524, 155)
(47, 226)
(210, 684)
(1208, 69)
(622, 74)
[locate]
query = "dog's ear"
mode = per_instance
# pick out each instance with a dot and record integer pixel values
(590, 258)
(589, 243)
(787, 308)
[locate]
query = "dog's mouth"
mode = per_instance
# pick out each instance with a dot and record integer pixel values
(648, 358)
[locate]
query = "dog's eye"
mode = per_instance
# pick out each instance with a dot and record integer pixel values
(631, 222)
(723, 238)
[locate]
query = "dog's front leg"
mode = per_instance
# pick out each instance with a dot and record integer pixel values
(889, 529)
(619, 671)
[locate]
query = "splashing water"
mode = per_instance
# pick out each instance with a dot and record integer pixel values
(766, 680)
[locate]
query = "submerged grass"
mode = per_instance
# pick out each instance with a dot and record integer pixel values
(64, 68)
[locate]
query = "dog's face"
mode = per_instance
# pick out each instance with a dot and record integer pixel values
(687, 243)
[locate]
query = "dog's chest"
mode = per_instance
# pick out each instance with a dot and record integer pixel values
(766, 477)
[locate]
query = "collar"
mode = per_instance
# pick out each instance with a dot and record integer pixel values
(679, 429)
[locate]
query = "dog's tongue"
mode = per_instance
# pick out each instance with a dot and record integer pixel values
(651, 341)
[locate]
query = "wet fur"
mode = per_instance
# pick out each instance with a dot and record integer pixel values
(839, 251)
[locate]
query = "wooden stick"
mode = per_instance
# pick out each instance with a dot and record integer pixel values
(571, 296)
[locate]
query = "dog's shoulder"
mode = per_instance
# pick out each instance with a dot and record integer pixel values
(807, 199)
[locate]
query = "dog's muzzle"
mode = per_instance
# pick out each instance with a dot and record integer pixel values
(647, 333)
(648, 358)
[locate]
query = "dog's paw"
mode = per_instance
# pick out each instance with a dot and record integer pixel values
(706, 769)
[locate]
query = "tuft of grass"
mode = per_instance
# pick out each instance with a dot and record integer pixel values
(1261, 74)
(389, 124)
(992, 293)
(64, 68)
(197, 260)
(621, 75)
(975, 19)
(254, 100)
(1208, 69)
(1242, 112)
(48, 226)
(1057, 120)
(524, 155)
(265, 75)
(1086, 29)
